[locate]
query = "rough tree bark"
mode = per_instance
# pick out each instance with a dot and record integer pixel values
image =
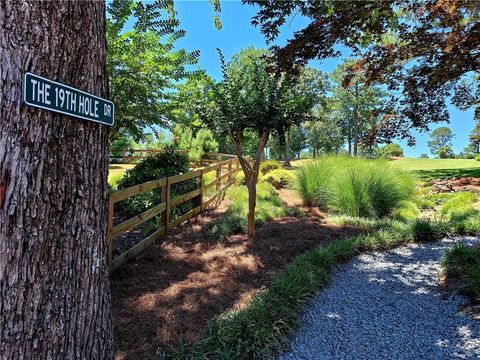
(251, 173)
(54, 288)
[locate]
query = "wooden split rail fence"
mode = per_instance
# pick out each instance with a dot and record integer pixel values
(224, 177)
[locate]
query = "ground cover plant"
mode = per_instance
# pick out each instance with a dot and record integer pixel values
(263, 328)
(461, 267)
(355, 187)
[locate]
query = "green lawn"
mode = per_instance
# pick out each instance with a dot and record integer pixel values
(116, 171)
(437, 168)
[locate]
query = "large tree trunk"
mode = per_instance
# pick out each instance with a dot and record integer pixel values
(54, 287)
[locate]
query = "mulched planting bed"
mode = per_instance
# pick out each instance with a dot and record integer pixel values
(166, 296)
(455, 184)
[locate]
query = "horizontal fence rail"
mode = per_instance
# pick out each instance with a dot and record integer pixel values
(126, 156)
(204, 196)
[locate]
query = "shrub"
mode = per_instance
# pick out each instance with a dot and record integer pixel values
(154, 167)
(269, 165)
(462, 262)
(445, 152)
(425, 231)
(392, 150)
(279, 178)
(477, 157)
(355, 187)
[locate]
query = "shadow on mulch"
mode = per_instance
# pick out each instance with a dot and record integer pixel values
(168, 295)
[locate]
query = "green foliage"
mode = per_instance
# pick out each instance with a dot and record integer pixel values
(269, 206)
(251, 98)
(197, 145)
(240, 178)
(395, 42)
(113, 182)
(357, 106)
(457, 205)
(279, 178)
(355, 187)
(325, 133)
(477, 157)
(204, 142)
(143, 63)
(424, 230)
(154, 167)
(445, 152)
(407, 211)
(440, 138)
(462, 263)
(392, 150)
(269, 165)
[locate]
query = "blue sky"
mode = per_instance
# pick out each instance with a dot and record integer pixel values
(196, 17)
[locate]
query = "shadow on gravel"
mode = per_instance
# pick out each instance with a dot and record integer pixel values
(390, 306)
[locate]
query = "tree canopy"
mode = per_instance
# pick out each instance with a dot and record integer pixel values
(143, 65)
(440, 138)
(424, 50)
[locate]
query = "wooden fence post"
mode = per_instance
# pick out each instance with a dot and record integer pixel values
(230, 171)
(167, 204)
(219, 173)
(109, 232)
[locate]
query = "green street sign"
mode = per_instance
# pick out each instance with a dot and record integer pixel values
(50, 95)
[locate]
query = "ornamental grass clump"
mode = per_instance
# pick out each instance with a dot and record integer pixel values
(354, 187)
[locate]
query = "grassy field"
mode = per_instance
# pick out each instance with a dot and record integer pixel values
(116, 171)
(428, 169)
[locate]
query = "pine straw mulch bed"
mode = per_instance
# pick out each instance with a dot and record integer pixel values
(166, 296)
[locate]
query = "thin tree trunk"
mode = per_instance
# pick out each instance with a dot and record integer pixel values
(349, 146)
(283, 143)
(251, 175)
(356, 123)
(54, 287)
(287, 148)
(252, 204)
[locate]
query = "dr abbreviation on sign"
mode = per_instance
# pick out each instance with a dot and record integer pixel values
(51, 95)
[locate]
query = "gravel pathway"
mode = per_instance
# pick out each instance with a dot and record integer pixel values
(388, 305)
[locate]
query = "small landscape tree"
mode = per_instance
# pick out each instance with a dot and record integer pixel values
(252, 98)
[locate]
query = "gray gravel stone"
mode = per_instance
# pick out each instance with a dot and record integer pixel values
(388, 305)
